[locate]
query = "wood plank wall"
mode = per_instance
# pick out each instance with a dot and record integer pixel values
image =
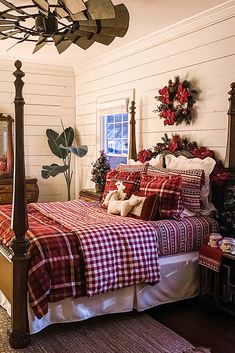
(49, 94)
(200, 49)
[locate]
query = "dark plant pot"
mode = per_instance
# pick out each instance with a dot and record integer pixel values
(99, 187)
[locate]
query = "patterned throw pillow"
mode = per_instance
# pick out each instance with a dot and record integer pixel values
(207, 164)
(192, 182)
(169, 193)
(132, 168)
(130, 180)
(148, 207)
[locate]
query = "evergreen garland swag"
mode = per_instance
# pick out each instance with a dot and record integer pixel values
(100, 168)
(176, 102)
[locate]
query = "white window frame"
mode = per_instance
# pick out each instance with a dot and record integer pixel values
(112, 107)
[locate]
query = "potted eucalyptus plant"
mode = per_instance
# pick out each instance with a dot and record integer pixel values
(61, 146)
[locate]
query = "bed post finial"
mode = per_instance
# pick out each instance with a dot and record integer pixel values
(19, 337)
(230, 155)
(132, 143)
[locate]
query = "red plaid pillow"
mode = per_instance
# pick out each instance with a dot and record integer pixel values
(192, 182)
(169, 193)
(148, 207)
(130, 180)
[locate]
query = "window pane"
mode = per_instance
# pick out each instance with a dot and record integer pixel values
(118, 146)
(125, 130)
(115, 136)
(110, 131)
(118, 118)
(110, 146)
(125, 146)
(118, 130)
(125, 117)
(109, 119)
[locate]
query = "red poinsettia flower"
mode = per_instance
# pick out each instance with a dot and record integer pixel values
(144, 155)
(202, 152)
(164, 95)
(174, 144)
(169, 117)
(182, 94)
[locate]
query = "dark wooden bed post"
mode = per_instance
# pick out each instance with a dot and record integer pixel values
(19, 337)
(10, 154)
(230, 151)
(132, 143)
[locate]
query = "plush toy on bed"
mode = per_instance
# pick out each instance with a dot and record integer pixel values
(115, 200)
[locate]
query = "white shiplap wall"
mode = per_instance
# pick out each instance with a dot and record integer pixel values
(49, 94)
(200, 49)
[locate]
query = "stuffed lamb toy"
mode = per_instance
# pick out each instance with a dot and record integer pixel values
(115, 200)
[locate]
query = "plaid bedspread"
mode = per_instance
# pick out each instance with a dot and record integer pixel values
(78, 249)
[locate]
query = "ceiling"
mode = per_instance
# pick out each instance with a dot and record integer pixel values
(146, 17)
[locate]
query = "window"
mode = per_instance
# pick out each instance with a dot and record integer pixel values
(114, 134)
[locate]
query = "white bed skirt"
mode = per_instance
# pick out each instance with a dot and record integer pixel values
(179, 280)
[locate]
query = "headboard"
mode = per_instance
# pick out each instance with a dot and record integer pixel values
(230, 151)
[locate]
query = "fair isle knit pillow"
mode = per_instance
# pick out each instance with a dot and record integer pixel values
(207, 164)
(169, 193)
(132, 168)
(130, 180)
(192, 182)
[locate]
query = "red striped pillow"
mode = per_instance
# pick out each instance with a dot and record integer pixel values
(169, 193)
(192, 182)
(130, 180)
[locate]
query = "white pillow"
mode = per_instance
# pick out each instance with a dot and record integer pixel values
(133, 162)
(157, 161)
(207, 164)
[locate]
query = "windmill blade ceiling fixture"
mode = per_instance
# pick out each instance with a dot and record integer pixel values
(63, 22)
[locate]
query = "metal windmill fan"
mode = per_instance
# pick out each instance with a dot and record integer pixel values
(63, 22)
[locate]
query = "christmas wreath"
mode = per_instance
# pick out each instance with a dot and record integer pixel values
(177, 100)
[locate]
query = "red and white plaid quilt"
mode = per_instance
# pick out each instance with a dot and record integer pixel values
(78, 249)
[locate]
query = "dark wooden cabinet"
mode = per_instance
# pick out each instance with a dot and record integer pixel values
(90, 195)
(6, 190)
(224, 200)
(218, 288)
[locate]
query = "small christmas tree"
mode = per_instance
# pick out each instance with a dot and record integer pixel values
(99, 169)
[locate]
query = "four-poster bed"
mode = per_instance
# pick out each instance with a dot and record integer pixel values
(137, 295)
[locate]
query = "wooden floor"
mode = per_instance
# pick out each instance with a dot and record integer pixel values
(199, 323)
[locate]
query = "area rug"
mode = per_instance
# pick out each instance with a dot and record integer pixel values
(123, 333)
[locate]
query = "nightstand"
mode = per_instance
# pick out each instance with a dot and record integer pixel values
(218, 288)
(6, 190)
(90, 195)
